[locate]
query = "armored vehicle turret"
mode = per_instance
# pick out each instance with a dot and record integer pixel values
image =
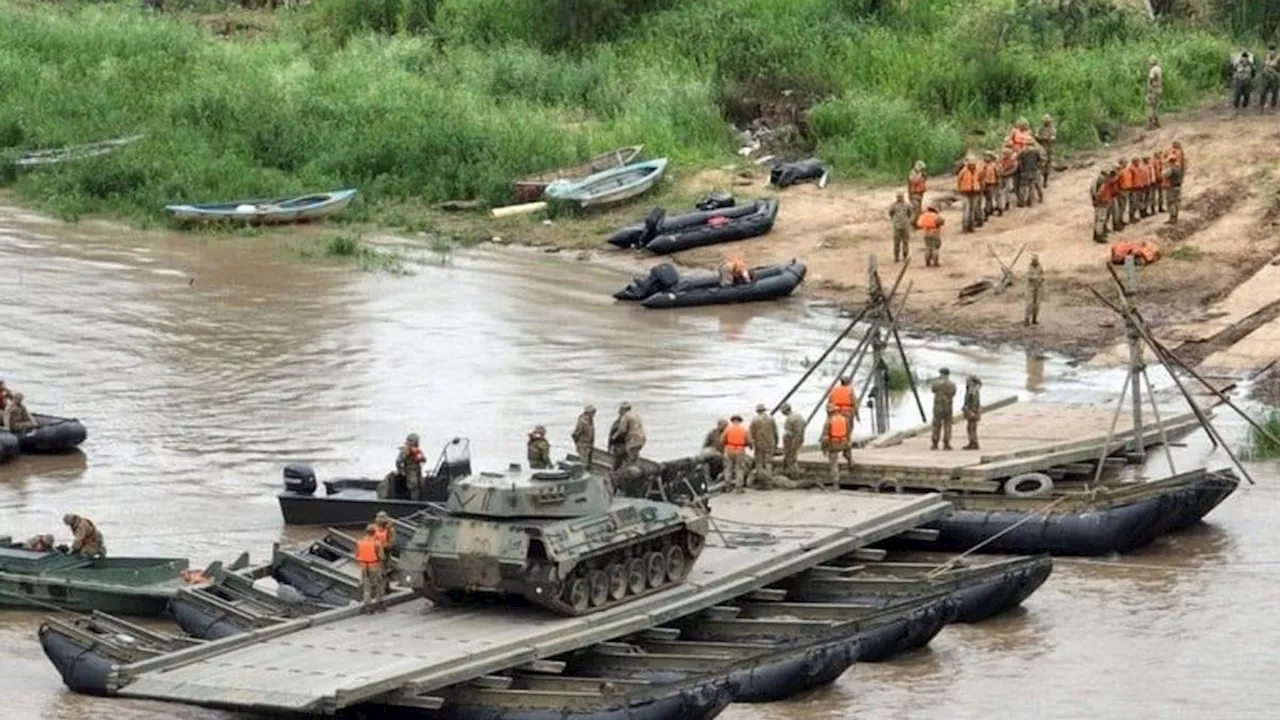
(556, 537)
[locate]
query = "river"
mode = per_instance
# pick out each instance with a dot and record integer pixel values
(201, 365)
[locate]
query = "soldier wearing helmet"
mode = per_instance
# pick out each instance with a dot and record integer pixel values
(409, 466)
(539, 449)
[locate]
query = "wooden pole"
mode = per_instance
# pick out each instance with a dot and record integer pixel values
(858, 353)
(524, 209)
(1106, 445)
(1155, 412)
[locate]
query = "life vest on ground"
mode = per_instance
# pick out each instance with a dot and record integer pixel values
(1145, 251)
(917, 183)
(839, 430)
(367, 551)
(967, 181)
(842, 397)
(930, 222)
(382, 535)
(735, 439)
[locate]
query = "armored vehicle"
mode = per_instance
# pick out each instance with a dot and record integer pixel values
(556, 537)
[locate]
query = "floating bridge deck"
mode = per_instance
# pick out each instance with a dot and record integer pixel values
(341, 658)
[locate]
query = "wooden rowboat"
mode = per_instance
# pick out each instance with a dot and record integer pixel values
(278, 210)
(610, 186)
(531, 187)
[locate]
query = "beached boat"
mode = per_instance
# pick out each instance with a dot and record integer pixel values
(352, 502)
(51, 435)
(53, 156)
(531, 187)
(663, 235)
(277, 210)
(610, 186)
(123, 585)
(769, 282)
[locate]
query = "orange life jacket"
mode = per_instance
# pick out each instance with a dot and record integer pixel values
(416, 454)
(990, 174)
(967, 181)
(735, 439)
(929, 221)
(367, 551)
(1146, 251)
(382, 535)
(842, 397)
(839, 430)
(1128, 179)
(1009, 162)
(1020, 138)
(1176, 157)
(917, 183)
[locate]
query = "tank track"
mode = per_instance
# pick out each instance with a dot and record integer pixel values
(615, 576)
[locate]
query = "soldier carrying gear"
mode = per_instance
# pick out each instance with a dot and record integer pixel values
(1241, 80)
(626, 437)
(1155, 88)
(584, 435)
(1046, 136)
(15, 417)
(944, 394)
(931, 223)
(972, 409)
(539, 449)
(39, 543)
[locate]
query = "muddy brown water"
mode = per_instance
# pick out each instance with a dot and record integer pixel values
(201, 366)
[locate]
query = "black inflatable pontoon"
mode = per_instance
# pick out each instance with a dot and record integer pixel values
(768, 283)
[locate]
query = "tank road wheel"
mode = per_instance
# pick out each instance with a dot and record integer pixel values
(676, 567)
(617, 581)
(693, 543)
(656, 569)
(579, 596)
(637, 576)
(599, 583)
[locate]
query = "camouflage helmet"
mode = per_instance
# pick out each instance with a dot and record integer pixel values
(722, 423)
(589, 409)
(919, 165)
(382, 517)
(973, 380)
(1177, 144)
(988, 154)
(539, 430)
(1152, 60)
(944, 371)
(370, 529)
(760, 407)
(735, 418)
(786, 408)
(624, 407)
(1047, 118)
(70, 519)
(1022, 123)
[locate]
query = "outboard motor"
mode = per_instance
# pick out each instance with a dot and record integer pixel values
(300, 479)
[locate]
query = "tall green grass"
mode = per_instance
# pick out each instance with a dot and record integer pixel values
(1261, 447)
(445, 99)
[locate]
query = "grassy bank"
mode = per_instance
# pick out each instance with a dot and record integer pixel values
(414, 101)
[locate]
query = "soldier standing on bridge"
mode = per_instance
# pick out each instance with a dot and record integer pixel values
(944, 395)
(372, 556)
(584, 435)
(764, 438)
(972, 410)
(836, 441)
(736, 439)
(792, 441)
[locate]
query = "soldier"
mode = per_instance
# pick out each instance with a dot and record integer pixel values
(86, 538)
(990, 175)
(1008, 175)
(409, 465)
(39, 543)
(733, 271)
(1241, 81)
(1155, 88)
(917, 183)
(736, 439)
(1101, 194)
(1270, 79)
(713, 443)
(969, 185)
(944, 394)
(972, 410)
(539, 449)
(1046, 136)
(1037, 180)
(931, 223)
(836, 441)
(901, 215)
(372, 556)
(1174, 170)
(626, 437)
(1134, 200)
(4, 394)
(383, 531)
(845, 399)
(792, 441)
(764, 439)
(15, 417)
(1157, 186)
(1124, 182)
(1035, 285)
(584, 435)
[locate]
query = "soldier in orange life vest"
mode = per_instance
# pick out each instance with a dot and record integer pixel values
(1124, 181)
(1020, 135)
(931, 223)
(1135, 189)
(990, 175)
(734, 272)
(409, 465)
(836, 441)
(736, 439)
(845, 400)
(1008, 176)
(917, 183)
(372, 556)
(969, 185)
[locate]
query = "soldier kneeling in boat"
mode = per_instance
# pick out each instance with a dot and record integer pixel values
(15, 417)
(408, 471)
(39, 543)
(87, 538)
(734, 272)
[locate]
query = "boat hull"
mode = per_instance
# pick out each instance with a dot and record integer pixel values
(54, 435)
(38, 594)
(772, 283)
(83, 669)
(703, 698)
(348, 509)
(267, 212)
(611, 186)
(639, 234)
(1096, 532)
(530, 188)
(8, 446)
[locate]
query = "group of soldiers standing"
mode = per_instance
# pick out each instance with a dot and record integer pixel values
(1137, 189)
(1245, 72)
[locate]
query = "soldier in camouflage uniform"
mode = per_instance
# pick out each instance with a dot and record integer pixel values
(901, 214)
(372, 558)
(944, 395)
(409, 466)
(1046, 136)
(1241, 81)
(626, 437)
(15, 417)
(1035, 286)
(1100, 192)
(792, 441)
(837, 440)
(711, 443)
(87, 539)
(764, 441)
(1155, 88)
(539, 449)
(1270, 80)
(584, 435)
(39, 543)
(972, 410)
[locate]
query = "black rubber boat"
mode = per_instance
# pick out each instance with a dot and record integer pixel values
(718, 229)
(769, 282)
(553, 697)
(53, 435)
(1117, 519)
(658, 223)
(86, 650)
(351, 502)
